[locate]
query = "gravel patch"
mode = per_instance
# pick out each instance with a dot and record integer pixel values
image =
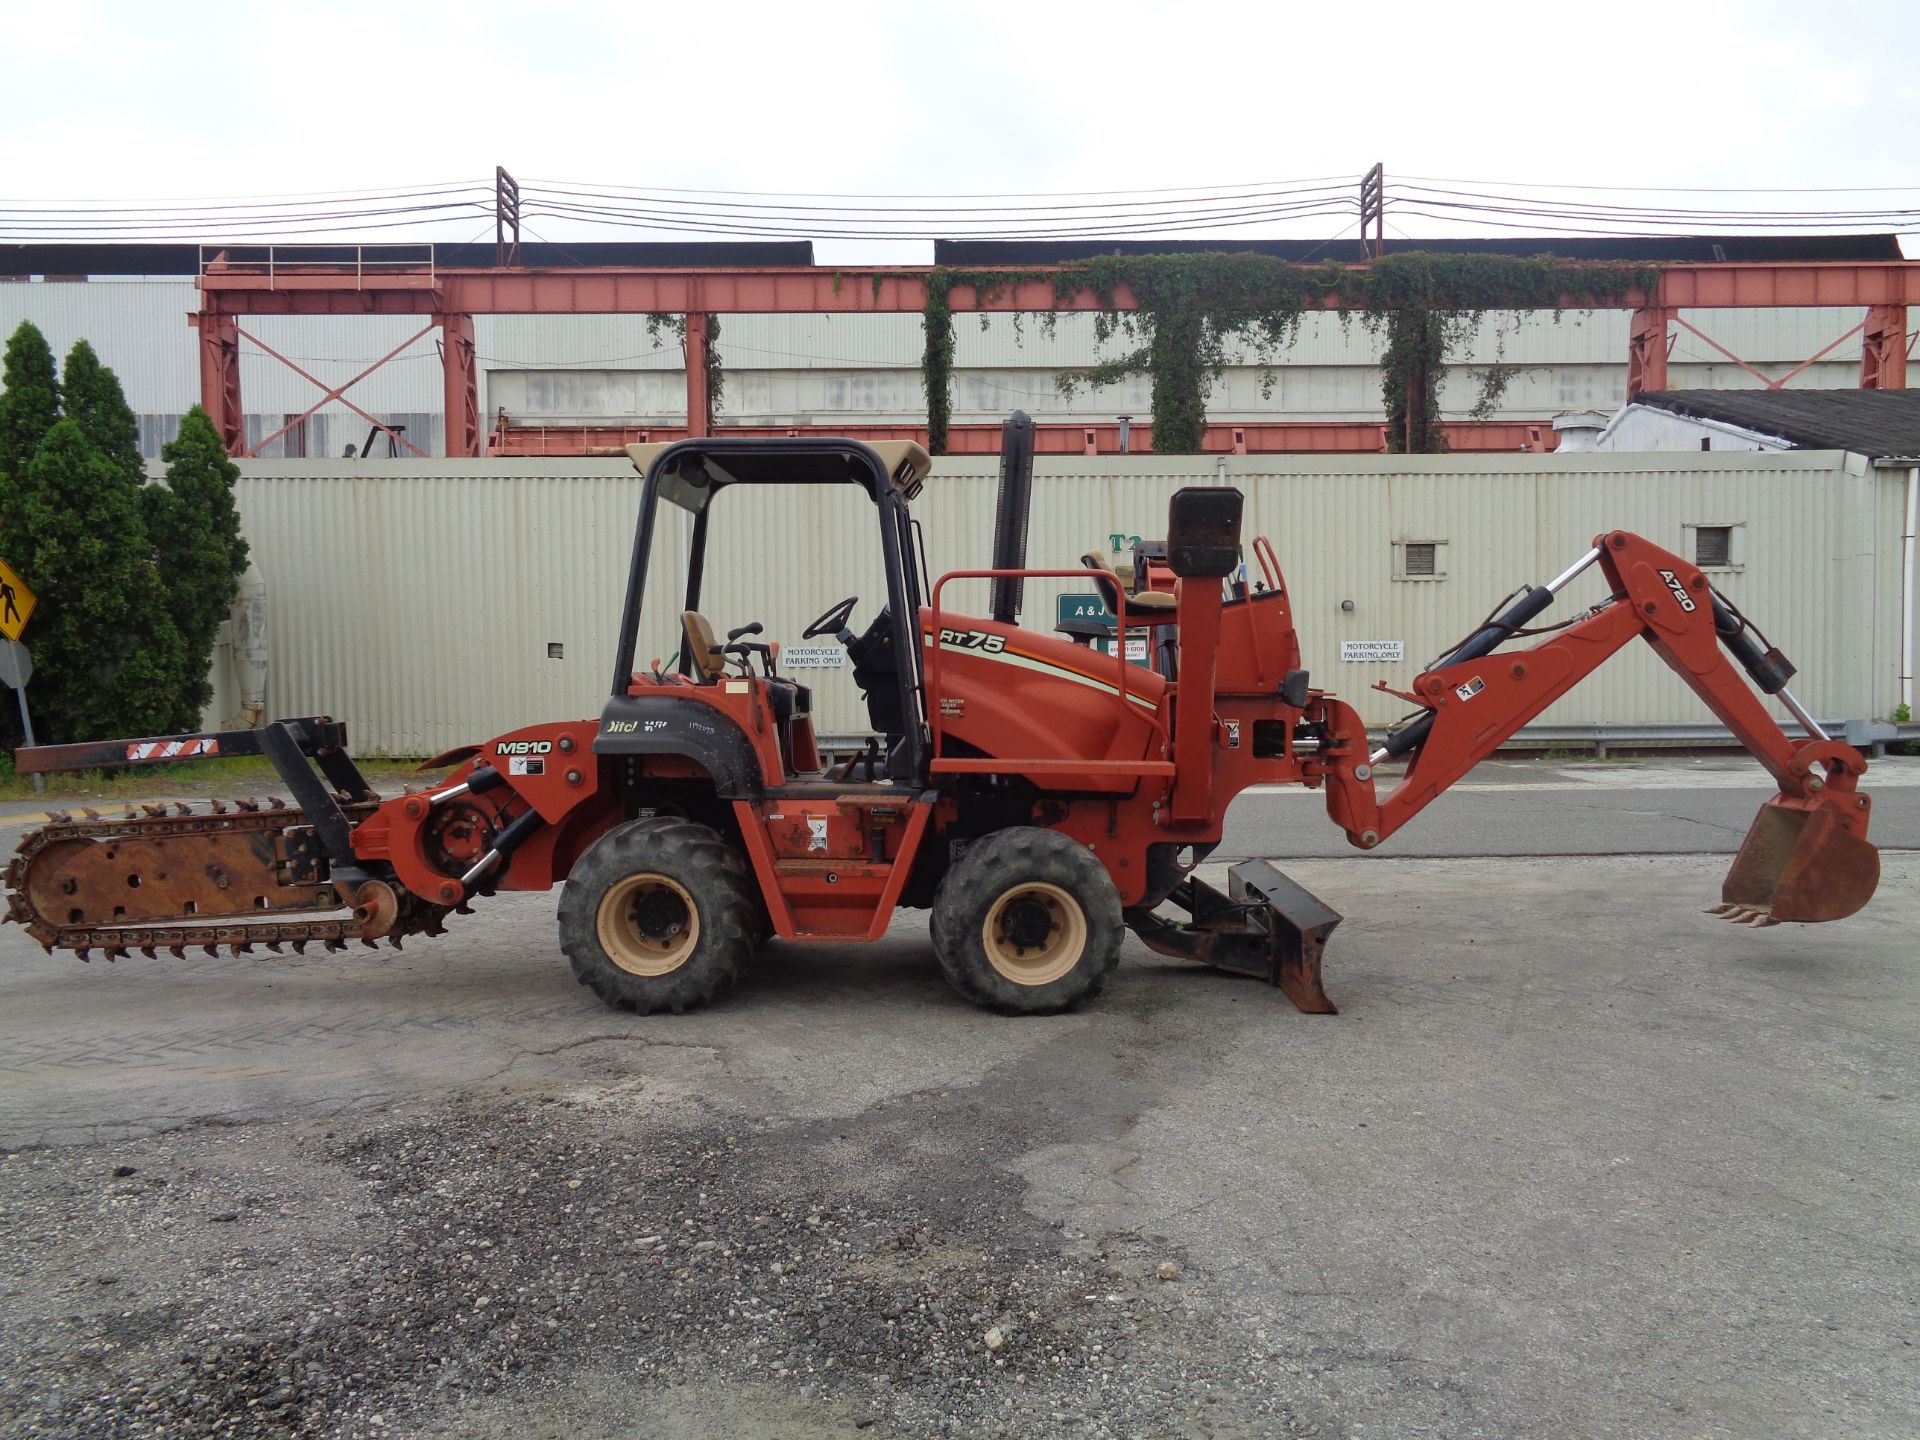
(484, 1267)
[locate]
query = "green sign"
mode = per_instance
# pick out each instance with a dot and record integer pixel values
(1083, 608)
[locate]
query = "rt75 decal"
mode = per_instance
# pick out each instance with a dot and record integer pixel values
(973, 640)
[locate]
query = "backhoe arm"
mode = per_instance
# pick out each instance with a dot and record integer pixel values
(1807, 857)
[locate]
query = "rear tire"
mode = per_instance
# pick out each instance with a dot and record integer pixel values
(1027, 922)
(658, 914)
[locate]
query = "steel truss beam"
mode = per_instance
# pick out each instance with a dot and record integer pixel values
(228, 290)
(1066, 437)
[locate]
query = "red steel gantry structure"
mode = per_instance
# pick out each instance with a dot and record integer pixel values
(447, 299)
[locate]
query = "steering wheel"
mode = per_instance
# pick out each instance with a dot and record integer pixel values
(834, 621)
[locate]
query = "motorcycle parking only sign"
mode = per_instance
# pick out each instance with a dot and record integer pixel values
(1373, 650)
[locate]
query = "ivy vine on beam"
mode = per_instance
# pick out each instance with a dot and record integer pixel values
(1191, 308)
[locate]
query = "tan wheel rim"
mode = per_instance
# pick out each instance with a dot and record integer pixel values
(648, 925)
(1035, 933)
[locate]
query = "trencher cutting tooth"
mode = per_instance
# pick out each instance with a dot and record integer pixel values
(248, 803)
(182, 808)
(219, 808)
(274, 802)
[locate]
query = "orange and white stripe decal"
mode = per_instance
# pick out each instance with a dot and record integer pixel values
(172, 749)
(1020, 658)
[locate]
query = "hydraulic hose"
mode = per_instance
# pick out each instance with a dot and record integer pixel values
(1483, 641)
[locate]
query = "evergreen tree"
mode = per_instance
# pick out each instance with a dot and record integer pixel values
(90, 394)
(195, 529)
(107, 657)
(29, 405)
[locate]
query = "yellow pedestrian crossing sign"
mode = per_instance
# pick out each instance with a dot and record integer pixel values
(16, 602)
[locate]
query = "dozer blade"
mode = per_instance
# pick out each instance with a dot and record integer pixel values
(1800, 862)
(1265, 925)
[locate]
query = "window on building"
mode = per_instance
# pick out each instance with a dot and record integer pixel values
(1419, 560)
(1713, 546)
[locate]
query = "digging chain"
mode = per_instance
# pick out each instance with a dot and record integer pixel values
(402, 913)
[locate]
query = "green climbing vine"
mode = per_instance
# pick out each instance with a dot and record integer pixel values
(1196, 313)
(676, 326)
(936, 361)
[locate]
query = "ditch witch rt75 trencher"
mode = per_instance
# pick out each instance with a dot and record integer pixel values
(1038, 796)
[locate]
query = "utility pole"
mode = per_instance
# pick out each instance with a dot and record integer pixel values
(1373, 206)
(506, 218)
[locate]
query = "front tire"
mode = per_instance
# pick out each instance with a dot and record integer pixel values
(1027, 922)
(658, 914)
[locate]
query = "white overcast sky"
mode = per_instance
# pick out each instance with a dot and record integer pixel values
(142, 100)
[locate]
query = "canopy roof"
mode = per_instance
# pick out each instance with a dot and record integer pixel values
(690, 471)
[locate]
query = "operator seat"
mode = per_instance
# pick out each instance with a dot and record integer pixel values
(703, 651)
(1149, 608)
(1152, 610)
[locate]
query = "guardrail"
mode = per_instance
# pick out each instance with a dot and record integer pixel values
(364, 262)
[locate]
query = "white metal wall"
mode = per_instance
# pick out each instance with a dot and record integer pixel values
(417, 601)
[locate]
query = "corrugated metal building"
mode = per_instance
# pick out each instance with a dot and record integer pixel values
(817, 369)
(433, 603)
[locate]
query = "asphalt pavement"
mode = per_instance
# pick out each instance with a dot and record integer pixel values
(1655, 806)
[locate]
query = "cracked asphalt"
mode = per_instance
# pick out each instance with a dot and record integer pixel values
(1575, 1159)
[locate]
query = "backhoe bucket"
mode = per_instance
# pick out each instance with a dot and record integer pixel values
(1800, 862)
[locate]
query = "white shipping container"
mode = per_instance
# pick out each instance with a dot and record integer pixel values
(430, 604)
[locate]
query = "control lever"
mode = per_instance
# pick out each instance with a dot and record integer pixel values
(741, 651)
(754, 629)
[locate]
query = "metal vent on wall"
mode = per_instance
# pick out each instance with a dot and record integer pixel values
(1713, 546)
(1421, 559)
